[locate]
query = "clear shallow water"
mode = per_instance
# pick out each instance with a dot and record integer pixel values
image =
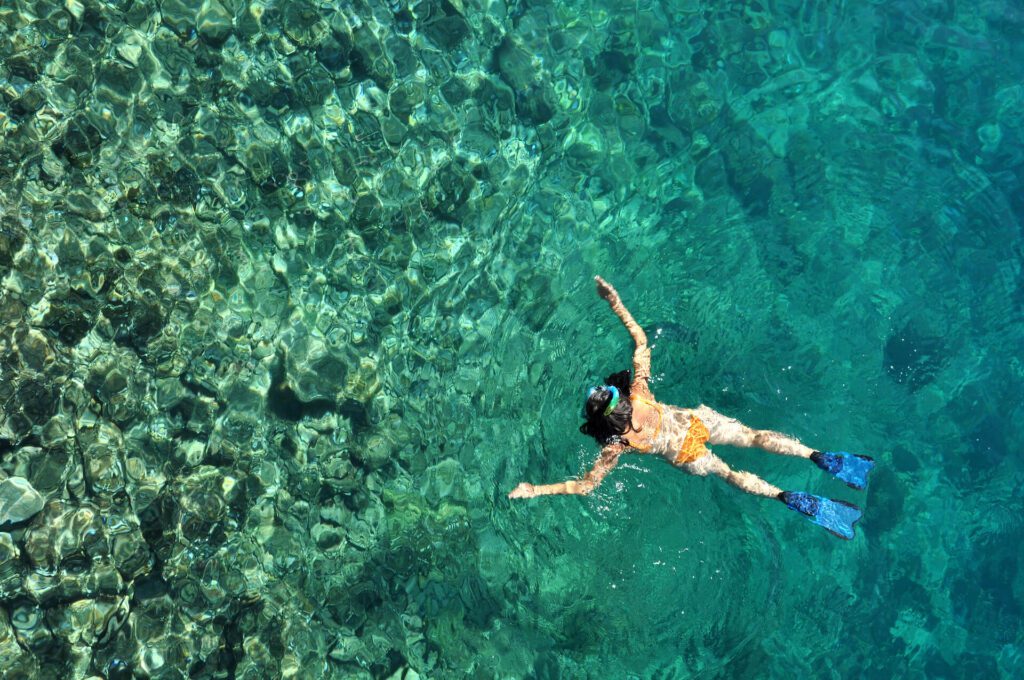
(308, 291)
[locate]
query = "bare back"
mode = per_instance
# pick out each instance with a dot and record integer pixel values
(673, 432)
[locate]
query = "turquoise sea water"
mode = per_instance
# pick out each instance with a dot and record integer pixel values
(293, 293)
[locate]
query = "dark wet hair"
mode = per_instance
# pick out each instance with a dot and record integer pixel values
(608, 428)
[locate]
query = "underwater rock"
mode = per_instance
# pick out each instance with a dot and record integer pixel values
(58, 430)
(129, 551)
(12, 238)
(19, 501)
(17, 662)
(10, 574)
(361, 534)
(327, 537)
(314, 370)
(134, 321)
(77, 551)
(237, 434)
(516, 65)
(339, 473)
(33, 349)
(69, 319)
(375, 452)
(215, 23)
(30, 101)
(205, 496)
(448, 191)
(101, 453)
(369, 56)
(442, 23)
(536, 105)
(181, 15)
(37, 398)
(347, 647)
(46, 470)
(31, 628)
(493, 562)
(80, 143)
(404, 673)
(303, 24)
(585, 146)
(406, 96)
(393, 129)
(93, 622)
(313, 85)
(116, 85)
(444, 481)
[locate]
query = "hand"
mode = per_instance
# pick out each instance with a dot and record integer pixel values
(524, 490)
(605, 289)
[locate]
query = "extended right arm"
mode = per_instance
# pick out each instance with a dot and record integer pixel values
(609, 459)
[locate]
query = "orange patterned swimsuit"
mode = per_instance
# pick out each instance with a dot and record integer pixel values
(680, 435)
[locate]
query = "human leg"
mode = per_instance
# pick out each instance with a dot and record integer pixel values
(835, 516)
(726, 430)
(709, 463)
(850, 468)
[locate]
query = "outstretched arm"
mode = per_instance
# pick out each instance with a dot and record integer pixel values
(609, 458)
(642, 353)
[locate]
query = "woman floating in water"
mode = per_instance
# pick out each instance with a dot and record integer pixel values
(624, 416)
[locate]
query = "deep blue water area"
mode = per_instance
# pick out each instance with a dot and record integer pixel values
(293, 293)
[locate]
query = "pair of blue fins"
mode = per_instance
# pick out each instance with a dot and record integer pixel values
(837, 517)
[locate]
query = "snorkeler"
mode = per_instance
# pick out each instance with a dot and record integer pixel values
(624, 416)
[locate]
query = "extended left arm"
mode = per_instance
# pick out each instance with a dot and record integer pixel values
(642, 351)
(609, 458)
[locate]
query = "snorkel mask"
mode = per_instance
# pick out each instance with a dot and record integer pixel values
(612, 403)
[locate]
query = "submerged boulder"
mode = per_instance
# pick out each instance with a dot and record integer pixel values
(19, 501)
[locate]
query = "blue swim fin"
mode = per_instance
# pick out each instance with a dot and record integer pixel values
(849, 467)
(837, 517)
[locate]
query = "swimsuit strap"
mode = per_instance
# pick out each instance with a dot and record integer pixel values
(693, 445)
(661, 419)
